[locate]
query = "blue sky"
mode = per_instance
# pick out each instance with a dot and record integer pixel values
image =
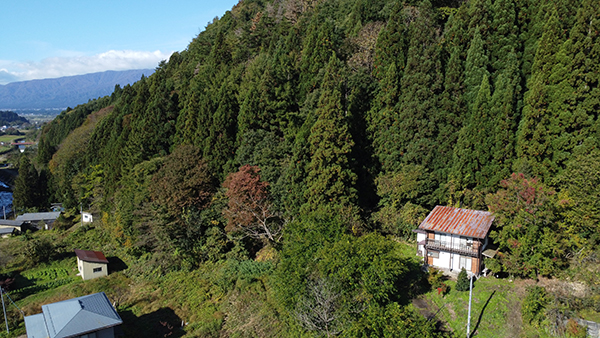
(47, 39)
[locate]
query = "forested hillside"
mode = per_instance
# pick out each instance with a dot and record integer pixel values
(307, 131)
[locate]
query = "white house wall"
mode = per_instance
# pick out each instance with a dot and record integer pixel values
(421, 248)
(447, 260)
(443, 261)
(87, 269)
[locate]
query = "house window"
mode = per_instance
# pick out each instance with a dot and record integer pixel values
(97, 269)
(434, 254)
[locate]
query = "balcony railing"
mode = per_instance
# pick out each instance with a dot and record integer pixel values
(467, 250)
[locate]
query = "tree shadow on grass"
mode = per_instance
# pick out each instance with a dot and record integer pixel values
(412, 284)
(481, 314)
(160, 323)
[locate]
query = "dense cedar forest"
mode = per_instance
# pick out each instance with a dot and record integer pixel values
(307, 135)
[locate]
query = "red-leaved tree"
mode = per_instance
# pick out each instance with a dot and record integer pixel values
(250, 209)
(526, 226)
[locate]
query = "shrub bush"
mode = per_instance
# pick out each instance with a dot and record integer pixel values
(435, 278)
(534, 304)
(462, 283)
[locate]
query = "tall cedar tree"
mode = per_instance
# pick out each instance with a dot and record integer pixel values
(505, 114)
(390, 51)
(417, 123)
(25, 193)
(504, 38)
(330, 181)
(479, 17)
(452, 104)
(391, 44)
(473, 151)
(539, 124)
(476, 67)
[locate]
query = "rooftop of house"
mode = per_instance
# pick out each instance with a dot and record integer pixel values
(7, 229)
(38, 216)
(457, 221)
(8, 222)
(73, 317)
(91, 256)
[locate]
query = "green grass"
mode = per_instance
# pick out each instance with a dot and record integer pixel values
(494, 305)
(45, 277)
(10, 138)
(495, 311)
(591, 315)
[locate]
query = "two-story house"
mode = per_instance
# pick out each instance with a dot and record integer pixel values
(454, 238)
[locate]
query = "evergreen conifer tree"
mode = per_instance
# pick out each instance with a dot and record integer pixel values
(544, 102)
(473, 151)
(476, 67)
(24, 192)
(505, 115)
(391, 44)
(330, 180)
(415, 125)
(505, 33)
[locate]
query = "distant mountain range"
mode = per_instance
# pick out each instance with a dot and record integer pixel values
(65, 91)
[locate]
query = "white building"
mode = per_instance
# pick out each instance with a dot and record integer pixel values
(91, 264)
(453, 238)
(87, 217)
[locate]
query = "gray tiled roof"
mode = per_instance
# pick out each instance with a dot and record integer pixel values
(5, 230)
(10, 222)
(38, 216)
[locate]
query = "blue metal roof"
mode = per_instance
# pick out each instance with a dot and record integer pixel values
(77, 316)
(36, 326)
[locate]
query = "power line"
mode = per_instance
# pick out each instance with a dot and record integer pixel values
(2, 293)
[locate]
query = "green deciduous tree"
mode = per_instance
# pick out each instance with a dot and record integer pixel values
(526, 228)
(184, 181)
(579, 196)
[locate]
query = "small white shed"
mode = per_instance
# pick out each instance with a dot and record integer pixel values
(91, 264)
(87, 217)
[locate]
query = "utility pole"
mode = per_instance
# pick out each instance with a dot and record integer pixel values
(4, 308)
(469, 315)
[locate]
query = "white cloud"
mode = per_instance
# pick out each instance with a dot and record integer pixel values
(75, 65)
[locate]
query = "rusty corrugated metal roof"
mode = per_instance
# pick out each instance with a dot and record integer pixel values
(463, 222)
(91, 256)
